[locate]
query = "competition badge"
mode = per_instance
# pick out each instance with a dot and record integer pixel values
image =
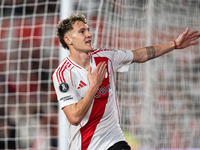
(64, 87)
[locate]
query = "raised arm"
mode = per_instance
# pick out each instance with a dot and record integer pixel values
(185, 39)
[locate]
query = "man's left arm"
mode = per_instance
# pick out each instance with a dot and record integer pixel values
(185, 39)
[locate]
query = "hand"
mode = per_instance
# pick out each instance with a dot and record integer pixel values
(187, 38)
(96, 78)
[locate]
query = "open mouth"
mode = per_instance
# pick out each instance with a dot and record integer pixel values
(89, 41)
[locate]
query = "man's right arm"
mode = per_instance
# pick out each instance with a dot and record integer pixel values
(76, 112)
(185, 39)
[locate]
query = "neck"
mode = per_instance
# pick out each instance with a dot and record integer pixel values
(82, 59)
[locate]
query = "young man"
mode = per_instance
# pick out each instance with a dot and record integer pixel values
(85, 87)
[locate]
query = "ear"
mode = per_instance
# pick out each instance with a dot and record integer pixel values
(67, 40)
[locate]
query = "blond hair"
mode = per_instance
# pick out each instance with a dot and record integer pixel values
(66, 25)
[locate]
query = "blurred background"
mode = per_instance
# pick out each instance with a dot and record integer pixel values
(159, 100)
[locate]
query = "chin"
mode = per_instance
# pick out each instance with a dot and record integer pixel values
(90, 49)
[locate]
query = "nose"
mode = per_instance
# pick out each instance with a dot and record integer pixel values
(88, 34)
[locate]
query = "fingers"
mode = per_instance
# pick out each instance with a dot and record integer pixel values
(89, 70)
(97, 76)
(193, 37)
(192, 33)
(101, 67)
(186, 31)
(187, 39)
(99, 70)
(194, 42)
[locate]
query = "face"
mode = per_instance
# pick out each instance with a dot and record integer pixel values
(79, 38)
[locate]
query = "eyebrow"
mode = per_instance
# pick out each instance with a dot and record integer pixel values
(85, 29)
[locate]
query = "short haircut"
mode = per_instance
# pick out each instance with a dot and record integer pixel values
(66, 25)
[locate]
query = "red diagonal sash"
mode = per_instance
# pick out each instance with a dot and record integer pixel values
(98, 109)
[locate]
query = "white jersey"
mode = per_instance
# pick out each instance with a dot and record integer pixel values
(100, 128)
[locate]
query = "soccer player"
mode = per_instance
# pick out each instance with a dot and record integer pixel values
(85, 84)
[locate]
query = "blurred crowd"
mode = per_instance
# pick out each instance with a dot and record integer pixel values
(170, 116)
(28, 56)
(28, 7)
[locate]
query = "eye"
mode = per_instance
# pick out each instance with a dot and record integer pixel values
(82, 31)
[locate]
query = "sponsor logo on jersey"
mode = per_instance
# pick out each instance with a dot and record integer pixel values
(103, 90)
(66, 98)
(64, 87)
(81, 84)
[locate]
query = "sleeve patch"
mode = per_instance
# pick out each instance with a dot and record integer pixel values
(64, 87)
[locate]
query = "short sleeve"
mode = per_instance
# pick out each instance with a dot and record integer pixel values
(64, 90)
(120, 59)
